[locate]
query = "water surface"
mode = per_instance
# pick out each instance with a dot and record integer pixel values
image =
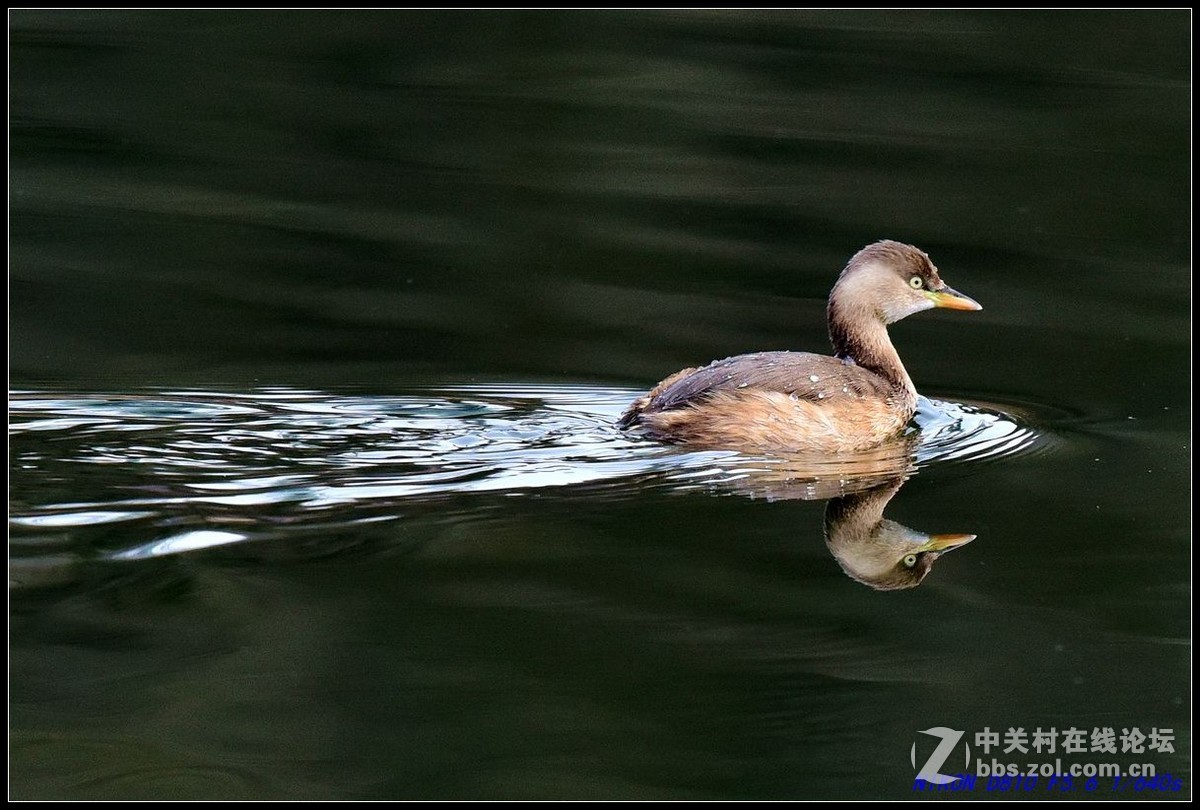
(320, 323)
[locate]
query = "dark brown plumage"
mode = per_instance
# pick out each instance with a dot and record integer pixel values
(858, 399)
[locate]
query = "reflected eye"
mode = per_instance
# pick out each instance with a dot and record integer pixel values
(916, 282)
(910, 560)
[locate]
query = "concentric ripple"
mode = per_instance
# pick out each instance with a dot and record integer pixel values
(163, 473)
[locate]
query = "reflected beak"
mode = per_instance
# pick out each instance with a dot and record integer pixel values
(950, 298)
(941, 543)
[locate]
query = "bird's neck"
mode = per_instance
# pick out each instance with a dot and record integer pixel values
(859, 514)
(860, 335)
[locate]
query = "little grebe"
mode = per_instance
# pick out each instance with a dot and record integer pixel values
(796, 401)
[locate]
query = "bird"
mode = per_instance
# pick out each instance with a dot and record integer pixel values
(881, 553)
(784, 401)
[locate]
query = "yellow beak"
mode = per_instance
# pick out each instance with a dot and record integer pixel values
(942, 543)
(950, 298)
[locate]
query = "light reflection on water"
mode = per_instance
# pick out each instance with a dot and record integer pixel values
(190, 470)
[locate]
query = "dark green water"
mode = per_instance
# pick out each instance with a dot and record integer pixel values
(319, 324)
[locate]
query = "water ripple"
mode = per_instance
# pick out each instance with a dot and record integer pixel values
(171, 472)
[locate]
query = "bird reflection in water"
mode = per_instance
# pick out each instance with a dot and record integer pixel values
(871, 549)
(878, 552)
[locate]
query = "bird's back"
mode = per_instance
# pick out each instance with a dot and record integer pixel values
(772, 400)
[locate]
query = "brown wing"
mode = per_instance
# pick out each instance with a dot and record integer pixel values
(812, 377)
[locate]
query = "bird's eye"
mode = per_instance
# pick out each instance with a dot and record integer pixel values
(916, 282)
(910, 560)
